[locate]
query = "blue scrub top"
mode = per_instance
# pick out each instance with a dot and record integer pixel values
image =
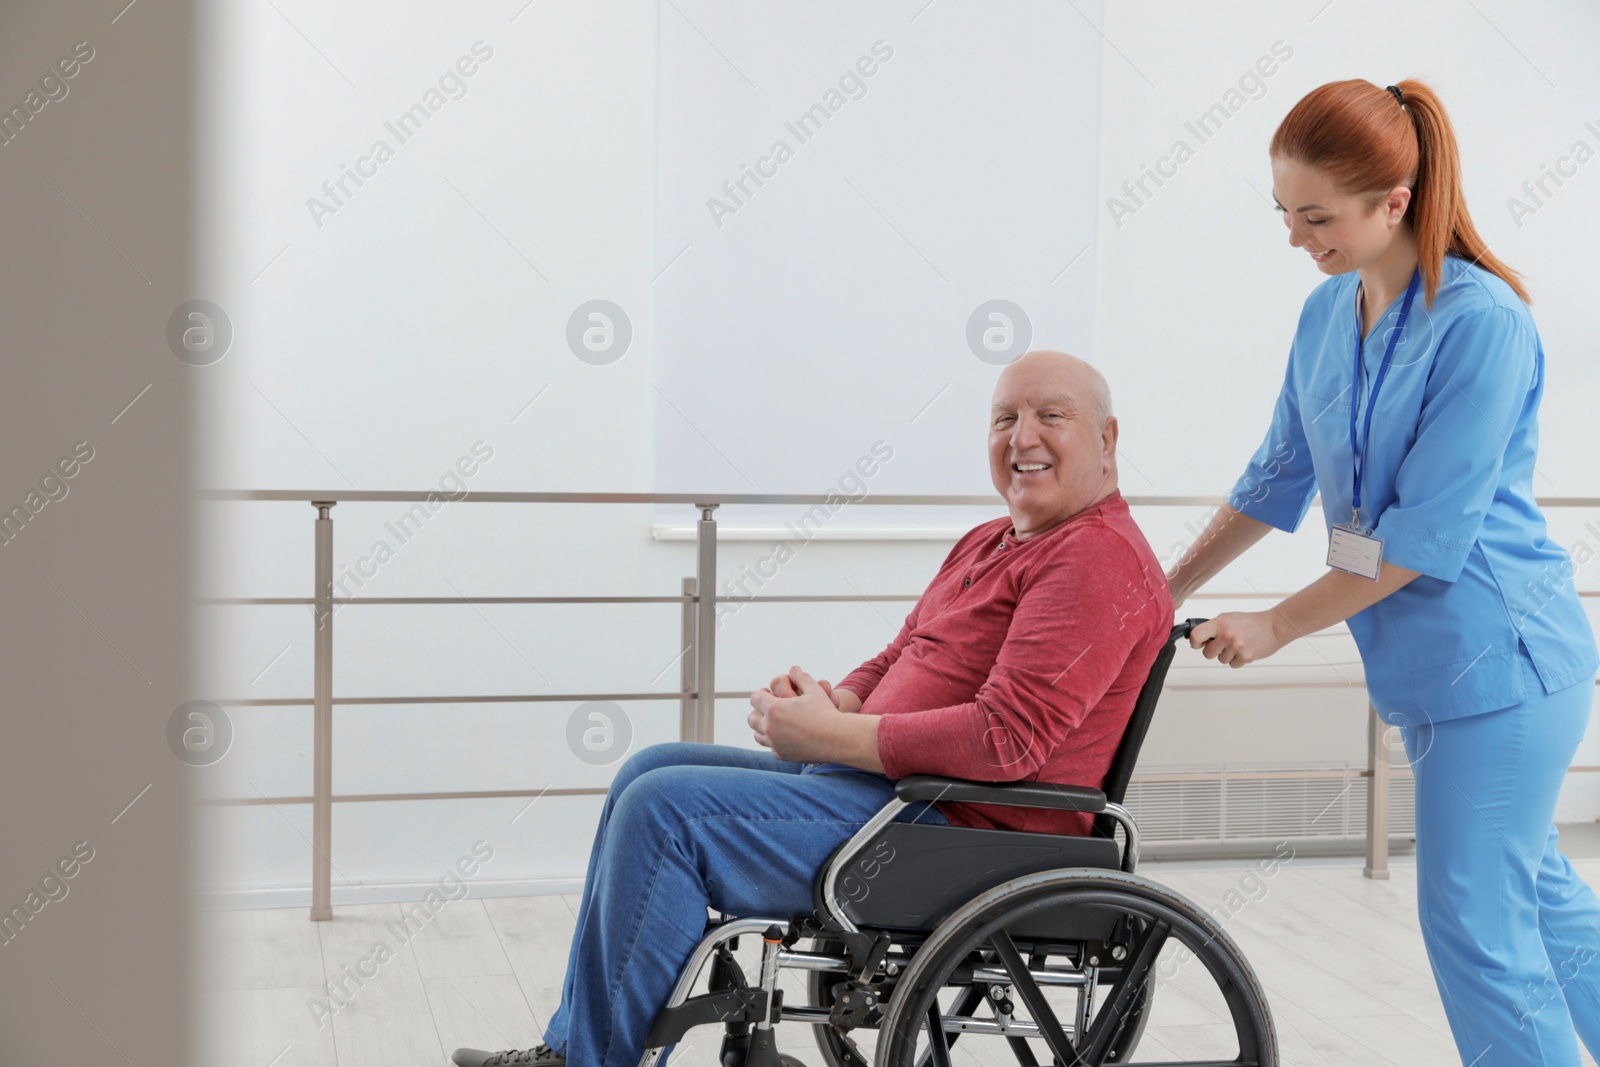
(1447, 482)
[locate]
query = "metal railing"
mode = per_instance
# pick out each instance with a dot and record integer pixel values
(697, 702)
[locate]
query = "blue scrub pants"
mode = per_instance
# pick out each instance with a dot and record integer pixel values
(1512, 932)
(684, 826)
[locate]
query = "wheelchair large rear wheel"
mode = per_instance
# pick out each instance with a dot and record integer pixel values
(1155, 982)
(836, 1053)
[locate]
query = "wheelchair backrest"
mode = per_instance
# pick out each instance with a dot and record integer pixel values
(1144, 710)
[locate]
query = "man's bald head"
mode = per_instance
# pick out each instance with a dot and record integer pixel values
(1052, 439)
(1081, 381)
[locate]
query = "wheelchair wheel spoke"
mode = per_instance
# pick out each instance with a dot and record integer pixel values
(1023, 1052)
(966, 1004)
(938, 1046)
(1043, 1015)
(967, 1000)
(1097, 1042)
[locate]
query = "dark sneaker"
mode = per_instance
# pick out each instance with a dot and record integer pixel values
(538, 1056)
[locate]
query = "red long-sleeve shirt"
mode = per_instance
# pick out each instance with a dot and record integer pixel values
(1022, 662)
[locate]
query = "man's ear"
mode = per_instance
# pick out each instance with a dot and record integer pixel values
(1108, 437)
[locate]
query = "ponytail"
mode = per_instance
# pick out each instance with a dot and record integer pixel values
(1369, 143)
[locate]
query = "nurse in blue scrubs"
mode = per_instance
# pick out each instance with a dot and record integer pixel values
(1411, 403)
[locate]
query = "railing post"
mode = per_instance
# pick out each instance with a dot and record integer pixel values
(1377, 798)
(322, 722)
(687, 727)
(705, 643)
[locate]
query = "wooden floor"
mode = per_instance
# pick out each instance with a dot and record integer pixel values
(1340, 956)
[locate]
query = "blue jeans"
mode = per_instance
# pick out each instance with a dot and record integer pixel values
(1512, 931)
(685, 826)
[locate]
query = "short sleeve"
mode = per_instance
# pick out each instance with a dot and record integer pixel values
(1280, 481)
(1480, 383)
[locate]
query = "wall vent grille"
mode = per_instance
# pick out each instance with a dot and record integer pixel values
(1263, 809)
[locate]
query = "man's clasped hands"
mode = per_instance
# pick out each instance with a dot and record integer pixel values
(801, 718)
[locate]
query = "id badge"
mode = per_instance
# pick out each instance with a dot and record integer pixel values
(1355, 551)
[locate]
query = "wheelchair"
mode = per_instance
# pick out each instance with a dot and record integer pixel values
(931, 941)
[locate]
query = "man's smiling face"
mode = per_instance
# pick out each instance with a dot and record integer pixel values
(1051, 453)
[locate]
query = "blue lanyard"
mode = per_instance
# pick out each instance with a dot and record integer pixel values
(1358, 459)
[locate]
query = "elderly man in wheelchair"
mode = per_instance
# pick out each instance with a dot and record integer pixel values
(940, 827)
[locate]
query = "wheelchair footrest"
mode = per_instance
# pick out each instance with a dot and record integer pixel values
(732, 1006)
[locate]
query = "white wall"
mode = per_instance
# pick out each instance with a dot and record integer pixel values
(430, 308)
(834, 299)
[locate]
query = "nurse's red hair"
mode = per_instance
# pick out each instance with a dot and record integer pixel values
(1362, 138)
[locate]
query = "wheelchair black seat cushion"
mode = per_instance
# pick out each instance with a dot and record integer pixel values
(912, 874)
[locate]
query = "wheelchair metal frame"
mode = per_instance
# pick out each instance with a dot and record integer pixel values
(868, 956)
(775, 957)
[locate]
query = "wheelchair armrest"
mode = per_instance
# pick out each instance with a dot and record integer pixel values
(1016, 794)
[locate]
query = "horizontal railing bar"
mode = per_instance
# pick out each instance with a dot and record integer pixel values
(478, 698)
(1252, 686)
(373, 496)
(1268, 666)
(818, 598)
(499, 794)
(341, 601)
(731, 694)
(839, 598)
(412, 496)
(1245, 776)
(267, 702)
(1280, 596)
(367, 798)
(512, 698)
(489, 698)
